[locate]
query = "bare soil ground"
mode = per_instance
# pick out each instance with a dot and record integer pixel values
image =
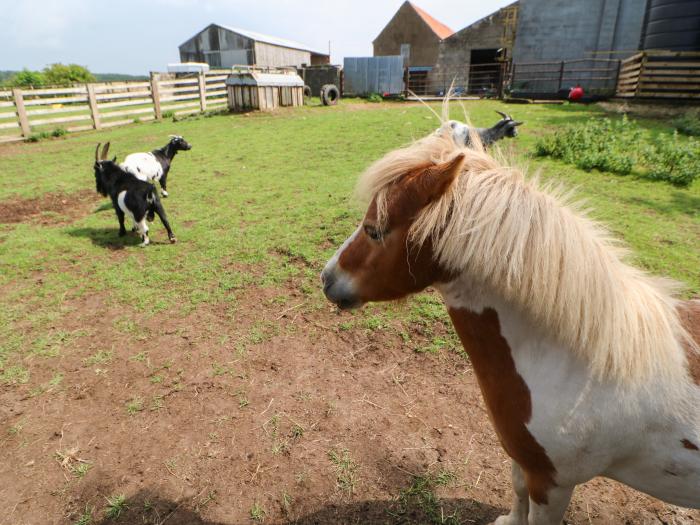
(50, 208)
(304, 423)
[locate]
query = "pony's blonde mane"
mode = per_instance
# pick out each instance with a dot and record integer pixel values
(528, 245)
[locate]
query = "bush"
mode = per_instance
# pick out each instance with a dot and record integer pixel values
(674, 161)
(27, 78)
(602, 144)
(58, 132)
(374, 97)
(620, 146)
(688, 124)
(60, 74)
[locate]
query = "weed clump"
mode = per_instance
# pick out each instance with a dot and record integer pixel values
(622, 147)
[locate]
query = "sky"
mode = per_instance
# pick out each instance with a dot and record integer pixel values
(138, 36)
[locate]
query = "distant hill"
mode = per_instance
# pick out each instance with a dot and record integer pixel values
(118, 77)
(101, 77)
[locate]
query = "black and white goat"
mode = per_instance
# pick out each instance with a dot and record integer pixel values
(504, 128)
(130, 196)
(154, 166)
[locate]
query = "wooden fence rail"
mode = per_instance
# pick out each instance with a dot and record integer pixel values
(660, 74)
(24, 112)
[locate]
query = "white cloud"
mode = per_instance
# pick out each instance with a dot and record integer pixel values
(42, 23)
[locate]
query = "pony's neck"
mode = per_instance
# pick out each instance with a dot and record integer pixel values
(462, 296)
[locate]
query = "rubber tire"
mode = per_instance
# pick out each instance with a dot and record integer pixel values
(330, 95)
(307, 91)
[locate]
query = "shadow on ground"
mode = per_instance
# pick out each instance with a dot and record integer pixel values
(109, 238)
(148, 508)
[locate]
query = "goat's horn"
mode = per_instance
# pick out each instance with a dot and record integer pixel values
(504, 115)
(97, 152)
(516, 123)
(105, 150)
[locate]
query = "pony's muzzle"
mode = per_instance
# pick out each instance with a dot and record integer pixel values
(338, 288)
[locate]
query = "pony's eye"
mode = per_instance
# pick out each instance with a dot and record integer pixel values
(373, 233)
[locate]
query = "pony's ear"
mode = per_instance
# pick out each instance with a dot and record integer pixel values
(438, 179)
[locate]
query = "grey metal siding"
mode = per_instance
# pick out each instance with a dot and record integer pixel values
(365, 75)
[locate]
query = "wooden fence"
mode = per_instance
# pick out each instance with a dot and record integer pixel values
(660, 74)
(24, 112)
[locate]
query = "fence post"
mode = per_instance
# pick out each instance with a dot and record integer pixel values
(617, 76)
(94, 110)
(21, 112)
(642, 63)
(155, 96)
(561, 75)
(202, 92)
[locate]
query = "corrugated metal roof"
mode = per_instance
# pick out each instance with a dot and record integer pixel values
(254, 78)
(282, 42)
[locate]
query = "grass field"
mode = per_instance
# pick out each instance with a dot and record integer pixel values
(258, 205)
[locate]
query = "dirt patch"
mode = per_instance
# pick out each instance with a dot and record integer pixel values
(49, 208)
(270, 404)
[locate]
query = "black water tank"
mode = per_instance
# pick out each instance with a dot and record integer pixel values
(672, 24)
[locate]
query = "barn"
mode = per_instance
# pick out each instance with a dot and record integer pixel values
(413, 34)
(474, 56)
(224, 47)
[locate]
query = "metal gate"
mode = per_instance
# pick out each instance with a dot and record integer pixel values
(365, 75)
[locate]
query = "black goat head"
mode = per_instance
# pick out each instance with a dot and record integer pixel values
(509, 125)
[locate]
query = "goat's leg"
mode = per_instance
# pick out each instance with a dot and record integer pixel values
(142, 226)
(158, 208)
(120, 218)
(163, 182)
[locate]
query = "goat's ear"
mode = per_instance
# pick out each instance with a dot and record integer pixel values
(105, 151)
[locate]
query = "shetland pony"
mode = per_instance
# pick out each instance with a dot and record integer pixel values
(588, 366)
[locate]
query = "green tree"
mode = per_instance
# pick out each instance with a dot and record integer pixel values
(27, 78)
(57, 74)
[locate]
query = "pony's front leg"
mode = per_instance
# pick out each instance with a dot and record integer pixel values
(518, 513)
(552, 512)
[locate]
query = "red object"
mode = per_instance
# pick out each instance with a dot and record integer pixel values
(576, 93)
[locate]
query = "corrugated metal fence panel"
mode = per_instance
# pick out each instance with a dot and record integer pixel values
(365, 75)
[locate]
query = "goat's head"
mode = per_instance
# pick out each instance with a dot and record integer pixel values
(507, 126)
(179, 144)
(103, 168)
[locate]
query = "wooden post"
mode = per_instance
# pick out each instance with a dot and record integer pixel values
(202, 92)
(155, 96)
(94, 110)
(21, 112)
(640, 74)
(617, 76)
(561, 75)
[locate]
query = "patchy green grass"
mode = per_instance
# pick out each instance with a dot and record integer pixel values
(420, 495)
(346, 475)
(263, 199)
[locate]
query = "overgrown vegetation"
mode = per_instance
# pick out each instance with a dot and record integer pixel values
(688, 124)
(621, 147)
(52, 75)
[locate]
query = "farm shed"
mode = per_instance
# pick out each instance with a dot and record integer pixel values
(224, 47)
(251, 90)
(317, 76)
(473, 56)
(413, 34)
